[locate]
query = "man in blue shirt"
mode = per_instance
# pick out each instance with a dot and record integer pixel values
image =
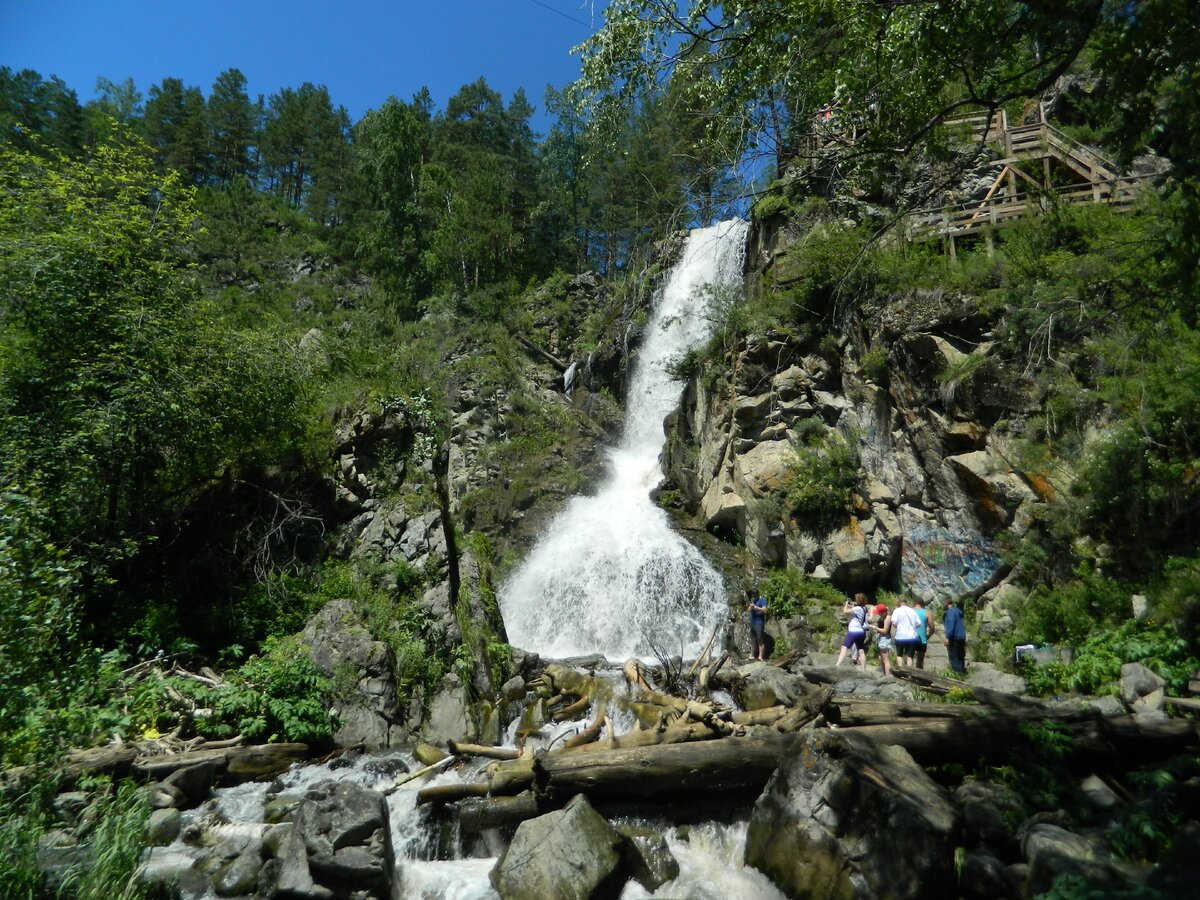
(758, 621)
(955, 636)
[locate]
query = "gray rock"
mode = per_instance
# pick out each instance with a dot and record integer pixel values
(513, 689)
(239, 877)
(448, 714)
(1098, 794)
(339, 642)
(568, 853)
(1140, 606)
(292, 876)
(1052, 851)
(990, 811)
(648, 857)
(767, 686)
(845, 817)
(196, 781)
(69, 805)
(985, 675)
(985, 877)
(163, 826)
(1141, 689)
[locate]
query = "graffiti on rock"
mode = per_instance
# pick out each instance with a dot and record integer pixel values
(938, 563)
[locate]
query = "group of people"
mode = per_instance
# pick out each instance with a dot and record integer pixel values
(904, 631)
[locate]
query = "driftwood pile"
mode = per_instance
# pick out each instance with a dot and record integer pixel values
(691, 745)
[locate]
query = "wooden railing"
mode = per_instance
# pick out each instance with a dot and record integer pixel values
(1038, 140)
(993, 212)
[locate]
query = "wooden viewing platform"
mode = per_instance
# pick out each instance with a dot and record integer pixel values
(1004, 203)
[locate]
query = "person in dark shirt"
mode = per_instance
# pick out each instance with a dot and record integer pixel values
(758, 621)
(955, 633)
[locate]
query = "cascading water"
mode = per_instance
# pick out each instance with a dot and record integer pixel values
(610, 575)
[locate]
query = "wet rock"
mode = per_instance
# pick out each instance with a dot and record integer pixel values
(163, 826)
(240, 877)
(845, 817)
(196, 781)
(647, 857)
(427, 754)
(568, 853)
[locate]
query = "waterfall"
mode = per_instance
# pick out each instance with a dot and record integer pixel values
(610, 575)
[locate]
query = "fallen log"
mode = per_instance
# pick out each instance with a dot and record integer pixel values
(732, 763)
(589, 734)
(573, 710)
(476, 814)
(768, 716)
(807, 709)
(449, 793)
(413, 776)
(514, 775)
(482, 750)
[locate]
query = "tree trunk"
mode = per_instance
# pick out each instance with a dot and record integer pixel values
(701, 766)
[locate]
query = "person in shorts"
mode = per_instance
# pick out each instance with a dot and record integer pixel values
(881, 624)
(856, 630)
(925, 632)
(905, 623)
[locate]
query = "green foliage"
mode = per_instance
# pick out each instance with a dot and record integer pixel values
(1096, 665)
(821, 482)
(115, 841)
(276, 696)
(874, 365)
(1146, 828)
(788, 592)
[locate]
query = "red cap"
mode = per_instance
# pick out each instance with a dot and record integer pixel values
(880, 609)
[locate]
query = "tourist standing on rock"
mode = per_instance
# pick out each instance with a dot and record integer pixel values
(758, 623)
(956, 636)
(882, 626)
(856, 630)
(925, 632)
(905, 623)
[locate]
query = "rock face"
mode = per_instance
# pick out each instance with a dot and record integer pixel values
(568, 853)
(844, 817)
(342, 648)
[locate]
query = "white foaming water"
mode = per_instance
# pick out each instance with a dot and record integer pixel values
(610, 575)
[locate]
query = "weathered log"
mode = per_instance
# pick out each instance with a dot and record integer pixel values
(476, 814)
(514, 775)
(413, 776)
(807, 709)
(482, 750)
(850, 713)
(573, 710)
(768, 716)
(109, 760)
(729, 764)
(449, 793)
(589, 734)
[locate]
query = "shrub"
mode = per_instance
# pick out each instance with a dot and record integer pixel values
(787, 589)
(821, 483)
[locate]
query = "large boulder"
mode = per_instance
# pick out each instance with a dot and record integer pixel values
(844, 817)
(338, 845)
(1141, 689)
(369, 715)
(569, 853)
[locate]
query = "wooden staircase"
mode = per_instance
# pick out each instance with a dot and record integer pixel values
(1004, 202)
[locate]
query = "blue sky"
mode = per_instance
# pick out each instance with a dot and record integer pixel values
(362, 51)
